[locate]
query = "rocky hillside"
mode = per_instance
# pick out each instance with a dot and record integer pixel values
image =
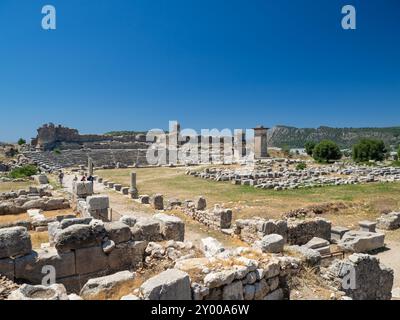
(280, 136)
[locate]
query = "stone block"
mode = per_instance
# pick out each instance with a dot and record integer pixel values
(146, 229)
(171, 284)
(172, 228)
(157, 202)
(77, 236)
(337, 233)
(368, 226)
(233, 291)
(118, 231)
(91, 259)
(29, 267)
(362, 241)
(125, 190)
(14, 242)
(39, 292)
(7, 268)
(211, 247)
(108, 287)
(82, 189)
(272, 243)
(200, 203)
(98, 202)
(127, 255)
(117, 187)
(72, 221)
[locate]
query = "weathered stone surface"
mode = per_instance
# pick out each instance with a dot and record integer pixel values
(29, 292)
(107, 287)
(82, 188)
(108, 246)
(362, 241)
(29, 267)
(7, 268)
(128, 220)
(310, 256)
(91, 259)
(272, 243)
(146, 229)
(337, 233)
(369, 226)
(118, 232)
(77, 236)
(14, 241)
(390, 221)
(233, 291)
(157, 202)
(172, 228)
(127, 255)
(248, 292)
(275, 295)
(220, 278)
(98, 202)
(261, 289)
(200, 203)
(171, 284)
(72, 221)
(211, 247)
(362, 277)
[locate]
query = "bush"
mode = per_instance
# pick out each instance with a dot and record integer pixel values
(309, 146)
(326, 151)
(23, 172)
(57, 151)
(301, 166)
(369, 149)
(21, 141)
(398, 153)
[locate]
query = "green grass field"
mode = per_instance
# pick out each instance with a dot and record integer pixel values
(366, 201)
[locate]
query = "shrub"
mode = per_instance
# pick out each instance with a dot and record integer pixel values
(398, 153)
(369, 149)
(22, 172)
(21, 141)
(326, 151)
(57, 151)
(301, 166)
(309, 146)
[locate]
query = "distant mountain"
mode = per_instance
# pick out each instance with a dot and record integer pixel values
(292, 137)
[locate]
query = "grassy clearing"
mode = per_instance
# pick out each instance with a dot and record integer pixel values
(368, 200)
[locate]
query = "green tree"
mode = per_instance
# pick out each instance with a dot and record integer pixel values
(369, 149)
(326, 151)
(22, 172)
(309, 146)
(21, 141)
(398, 153)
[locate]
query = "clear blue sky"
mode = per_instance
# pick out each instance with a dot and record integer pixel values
(135, 64)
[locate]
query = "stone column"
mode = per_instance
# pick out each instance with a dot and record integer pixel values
(90, 167)
(133, 190)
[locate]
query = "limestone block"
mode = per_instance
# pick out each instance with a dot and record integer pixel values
(82, 189)
(77, 236)
(219, 278)
(14, 242)
(7, 268)
(172, 228)
(272, 243)
(108, 287)
(91, 259)
(118, 231)
(275, 295)
(146, 229)
(157, 202)
(200, 203)
(233, 291)
(362, 241)
(125, 190)
(41, 179)
(171, 284)
(337, 233)
(369, 226)
(29, 267)
(72, 221)
(98, 202)
(127, 255)
(117, 187)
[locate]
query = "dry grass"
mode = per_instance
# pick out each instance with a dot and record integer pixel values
(38, 238)
(14, 186)
(25, 217)
(368, 200)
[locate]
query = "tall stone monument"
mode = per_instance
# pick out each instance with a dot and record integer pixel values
(133, 190)
(260, 142)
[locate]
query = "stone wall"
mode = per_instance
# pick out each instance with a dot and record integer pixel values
(32, 198)
(362, 277)
(217, 218)
(295, 232)
(82, 248)
(233, 277)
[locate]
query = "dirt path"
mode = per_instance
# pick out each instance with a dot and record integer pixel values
(123, 205)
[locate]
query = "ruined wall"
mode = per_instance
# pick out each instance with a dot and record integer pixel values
(295, 232)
